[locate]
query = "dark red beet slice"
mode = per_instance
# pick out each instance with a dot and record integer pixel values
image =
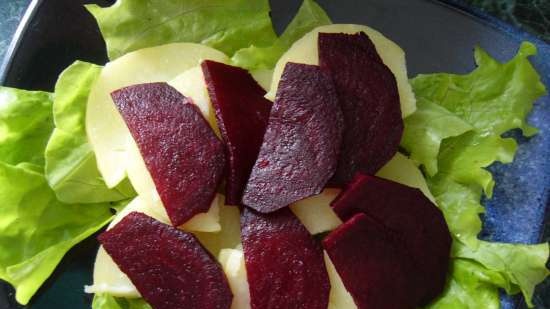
(375, 270)
(185, 158)
(169, 267)
(302, 142)
(370, 103)
(242, 113)
(284, 264)
(412, 217)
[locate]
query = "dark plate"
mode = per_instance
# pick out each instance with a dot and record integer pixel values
(436, 37)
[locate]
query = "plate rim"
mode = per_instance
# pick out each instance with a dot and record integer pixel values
(11, 52)
(493, 21)
(461, 6)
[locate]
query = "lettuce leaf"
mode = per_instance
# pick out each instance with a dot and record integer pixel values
(484, 104)
(470, 286)
(476, 275)
(461, 206)
(461, 118)
(461, 182)
(523, 266)
(25, 125)
(309, 16)
(227, 25)
(494, 98)
(463, 159)
(36, 230)
(71, 168)
(424, 141)
(106, 301)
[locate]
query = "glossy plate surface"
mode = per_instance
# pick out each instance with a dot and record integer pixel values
(436, 36)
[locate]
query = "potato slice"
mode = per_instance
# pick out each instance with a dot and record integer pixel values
(315, 212)
(192, 85)
(107, 132)
(232, 261)
(108, 278)
(230, 234)
(403, 170)
(339, 298)
(305, 51)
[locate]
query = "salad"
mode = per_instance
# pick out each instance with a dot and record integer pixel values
(228, 167)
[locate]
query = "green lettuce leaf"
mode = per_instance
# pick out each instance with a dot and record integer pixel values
(470, 286)
(476, 275)
(227, 25)
(25, 125)
(461, 206)
(461, 182)
(309, 16)
(455, 134)
(523, 266)
(426, 129)
(465, 115)
(463, 159)
(36, 230)
(106, 301)
(493, 99)
(71, 167)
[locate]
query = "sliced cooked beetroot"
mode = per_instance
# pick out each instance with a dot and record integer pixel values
(369, 98)
(284, 264)
(185, 158)
(359, 41)
(169, 267)
(373, 267)
(412, 217)
(242, 113)
(302, 142)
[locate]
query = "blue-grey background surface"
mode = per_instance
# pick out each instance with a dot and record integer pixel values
(11, 12)
(530, 15)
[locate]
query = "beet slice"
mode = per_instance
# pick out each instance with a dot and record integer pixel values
(375, 270)
(242, 113)
(284, 264)
(369, 98)
(169, 267)
(300, 150)
(185, 158)
(412, 217)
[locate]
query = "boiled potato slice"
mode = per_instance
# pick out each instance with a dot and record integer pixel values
(263, 77)
(315, 212)
(305, 51)
(117, 153)
(339, 298)
(108, 278)
(145, 187)
(232, 261)
(403, 170)
(192, 85)
(230, 234)
(107, 132)
(207, 222)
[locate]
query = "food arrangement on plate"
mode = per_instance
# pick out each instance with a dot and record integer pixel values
(234, 168)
